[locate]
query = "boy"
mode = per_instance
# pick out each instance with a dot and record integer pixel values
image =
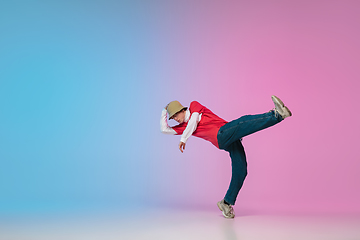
(199, 121)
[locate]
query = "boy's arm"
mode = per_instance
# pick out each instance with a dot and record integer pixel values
(164, 127)
(191, 127)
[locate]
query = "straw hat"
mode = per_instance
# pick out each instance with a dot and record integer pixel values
(174, 107)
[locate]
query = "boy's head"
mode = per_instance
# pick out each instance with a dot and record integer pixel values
(176, 111)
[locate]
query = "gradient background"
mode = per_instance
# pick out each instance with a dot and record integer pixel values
(83, 83)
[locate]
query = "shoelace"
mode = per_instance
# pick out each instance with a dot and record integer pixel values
(275, 111)
(231, 210)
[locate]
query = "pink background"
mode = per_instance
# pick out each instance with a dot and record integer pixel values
(232, 56)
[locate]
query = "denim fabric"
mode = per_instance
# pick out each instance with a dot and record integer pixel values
(229, 137)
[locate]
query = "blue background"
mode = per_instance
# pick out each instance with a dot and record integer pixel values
(77, 99)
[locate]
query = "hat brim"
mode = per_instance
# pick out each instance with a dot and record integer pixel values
(171, 117)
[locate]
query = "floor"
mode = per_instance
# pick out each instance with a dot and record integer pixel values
(172, 224)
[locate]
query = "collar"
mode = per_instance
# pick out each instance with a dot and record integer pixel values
(187, 115)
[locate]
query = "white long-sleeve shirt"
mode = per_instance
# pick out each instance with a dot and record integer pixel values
(190, 128)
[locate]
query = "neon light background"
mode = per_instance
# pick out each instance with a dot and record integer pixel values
(82, 85)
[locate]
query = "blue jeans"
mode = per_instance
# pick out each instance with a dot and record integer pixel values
(229, 139)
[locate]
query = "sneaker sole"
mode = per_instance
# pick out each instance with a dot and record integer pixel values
(290, 114)
(275, 98)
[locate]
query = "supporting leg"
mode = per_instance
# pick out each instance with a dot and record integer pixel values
(239, 171)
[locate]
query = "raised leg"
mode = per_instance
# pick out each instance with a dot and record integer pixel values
(245, 125)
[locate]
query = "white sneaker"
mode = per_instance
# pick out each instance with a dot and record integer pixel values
(227, 210)
(280, 108)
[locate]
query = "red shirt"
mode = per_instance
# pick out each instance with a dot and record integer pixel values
(208, 126)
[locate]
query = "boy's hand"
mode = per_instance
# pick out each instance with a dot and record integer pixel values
(182, 146)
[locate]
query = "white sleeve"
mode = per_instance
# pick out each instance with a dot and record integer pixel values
(164, 127)
(191, 127)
